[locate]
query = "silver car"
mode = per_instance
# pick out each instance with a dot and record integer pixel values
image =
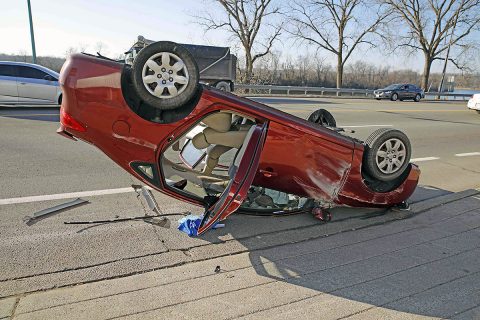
(22, 82)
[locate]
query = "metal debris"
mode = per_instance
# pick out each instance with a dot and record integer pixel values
(150, 218)
(158, 219)
(152, 203)
(37, 216)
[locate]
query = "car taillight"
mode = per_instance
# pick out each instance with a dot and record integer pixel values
(68, 121)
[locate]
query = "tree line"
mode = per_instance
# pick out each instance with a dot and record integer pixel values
(310, 70)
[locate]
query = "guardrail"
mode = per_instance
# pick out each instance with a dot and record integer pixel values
(259, 89)
(447, 95)
(271, 89)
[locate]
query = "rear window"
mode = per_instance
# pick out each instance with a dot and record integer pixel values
(29, 72)
(7, 70)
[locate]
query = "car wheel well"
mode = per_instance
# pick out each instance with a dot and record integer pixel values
(149, 112)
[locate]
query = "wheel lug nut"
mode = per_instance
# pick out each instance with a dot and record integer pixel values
(170, 72)
(159, 75)
(164, 81)
(171, 79)
(163, 69)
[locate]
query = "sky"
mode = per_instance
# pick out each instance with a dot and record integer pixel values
(63, 24)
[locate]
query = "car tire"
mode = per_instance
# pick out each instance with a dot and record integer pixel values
(377, 99)
(387, 154)
(165, 75)
(223, 86)
(394, 97)
(417, 98)
(323, 118)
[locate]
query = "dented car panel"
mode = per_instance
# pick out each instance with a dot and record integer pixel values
(296, 156)
(306, 165)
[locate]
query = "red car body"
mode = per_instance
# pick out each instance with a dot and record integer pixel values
(292, 155)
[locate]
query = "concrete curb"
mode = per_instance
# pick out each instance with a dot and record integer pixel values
(228, 247)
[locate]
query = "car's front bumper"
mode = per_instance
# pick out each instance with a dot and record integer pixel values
(382, 95)
(474, 105)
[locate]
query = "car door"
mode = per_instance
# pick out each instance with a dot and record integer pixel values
(410, 93)
(35, 85)
(8, 83)
(403, 92)
(245, 165)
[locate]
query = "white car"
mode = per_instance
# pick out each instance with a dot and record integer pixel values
(474, 102)
(22, 82)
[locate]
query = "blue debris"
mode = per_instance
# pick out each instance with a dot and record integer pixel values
(191, 223)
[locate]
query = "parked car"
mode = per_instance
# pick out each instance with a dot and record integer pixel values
(217, 150)
(22, 82)
(217, 66)
(474, 102)
(400, 92)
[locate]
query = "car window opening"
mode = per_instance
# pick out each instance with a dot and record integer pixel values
(204, 160)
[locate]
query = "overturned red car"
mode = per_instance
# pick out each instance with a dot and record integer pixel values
(212, 148)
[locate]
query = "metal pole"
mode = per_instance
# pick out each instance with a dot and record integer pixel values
(440, 89)
(32, 36)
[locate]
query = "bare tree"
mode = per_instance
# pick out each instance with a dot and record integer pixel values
(434, 26)
(245, 20)
(336, 26)
(24, 55)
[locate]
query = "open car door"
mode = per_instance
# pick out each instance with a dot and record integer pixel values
(241, 174)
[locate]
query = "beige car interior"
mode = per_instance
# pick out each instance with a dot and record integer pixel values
(217, 136)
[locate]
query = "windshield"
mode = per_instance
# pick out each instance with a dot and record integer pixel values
(392, 86)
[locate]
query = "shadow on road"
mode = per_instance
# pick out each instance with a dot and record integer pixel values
(412, 266)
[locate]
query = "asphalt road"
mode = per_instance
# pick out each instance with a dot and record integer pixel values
(37, 163)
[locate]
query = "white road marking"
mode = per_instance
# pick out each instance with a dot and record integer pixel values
(468, 154)
(423, 159)
(369, 126)
(65, 195)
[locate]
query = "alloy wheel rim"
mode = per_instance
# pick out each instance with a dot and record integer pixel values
(165, 75)
(391, 156)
